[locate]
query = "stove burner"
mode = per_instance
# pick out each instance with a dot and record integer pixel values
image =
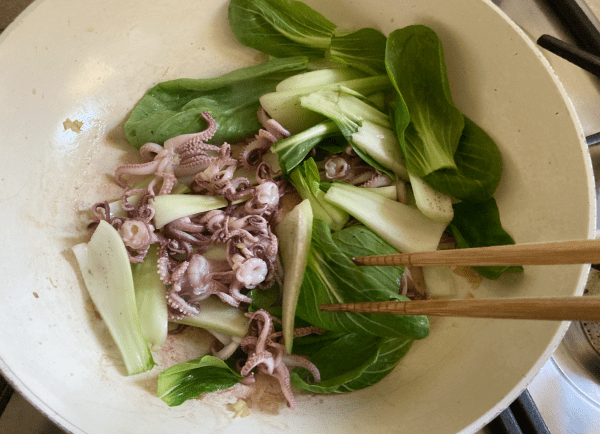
(582, 344)
(592, 331)
(592, 328)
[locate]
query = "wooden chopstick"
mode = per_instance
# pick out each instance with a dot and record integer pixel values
(564, 252)
(556, 309)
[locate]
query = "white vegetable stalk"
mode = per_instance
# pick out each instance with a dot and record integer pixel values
(319, 77)
(220, 317)
(381, 144)
(116, 207)
(294, 232)
(369, 128)
(432, 203)
(285, 108)
(171, 207)
(336, 104)
(230, 344)
(150, 298)
(440, 282)
(389, 192)
(404, 227)
(305, 181)
(106, 272)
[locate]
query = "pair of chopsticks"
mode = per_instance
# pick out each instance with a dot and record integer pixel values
(584, 31)
(558, 309)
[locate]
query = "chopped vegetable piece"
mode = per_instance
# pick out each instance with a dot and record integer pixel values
(404, 227)
(150, 297)
(218, 316)
(171, 207)
(432, 203)
(191, 379)
(294, 233)
(106, 272)
(305, 179)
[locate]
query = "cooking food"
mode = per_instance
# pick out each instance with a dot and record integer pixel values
(372, 157)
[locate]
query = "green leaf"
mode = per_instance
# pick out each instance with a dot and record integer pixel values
(175, 107)
(478, 225)
(191, 379)
(349, 362)
(281, 28)
(415, 63)
(403, 226)
(359, 241)
(331, 277)
(305, 179)
(106, 271)
(294, 149)
(310, 344)
(363, 49)
(150, 299)
(268, 299)
(349, 110)
(479, 167)
(339, 362)
(389, 353)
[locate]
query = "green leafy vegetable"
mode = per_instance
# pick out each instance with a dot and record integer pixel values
(339, 362)
(191, 379)
(104, 264)
(352, 362)
(281, 28)
(284, 28)
(320, 77)
(389, 353)
(294, 233)
(363, 49)
(404, 227)
(415, 62)
(268, 299)
(218, 316)
(478, 225)
(359, 241)
(175, 107)
(331, 277)
(292, 150)
(305, 179)
(169, 207)
(365, 127)
(479, 167)
(150, 298)
(284, 106)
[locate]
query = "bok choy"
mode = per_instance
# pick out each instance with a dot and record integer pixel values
(150, 298)
(106, 272)
(404, 227)
(191, 379)
(305, 179)
(175, 107)
(389, 99)
(332, 277)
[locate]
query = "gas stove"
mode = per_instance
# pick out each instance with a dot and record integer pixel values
(566, 391)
